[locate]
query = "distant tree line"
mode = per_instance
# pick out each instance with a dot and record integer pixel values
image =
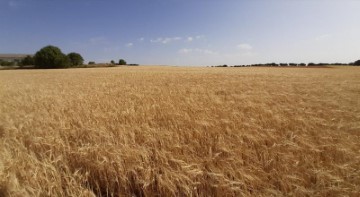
(356, 63)
(52, 57)
(121, 62)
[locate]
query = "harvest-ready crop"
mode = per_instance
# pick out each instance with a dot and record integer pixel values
(178, 131)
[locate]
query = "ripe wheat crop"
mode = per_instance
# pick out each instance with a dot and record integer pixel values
(178, 131)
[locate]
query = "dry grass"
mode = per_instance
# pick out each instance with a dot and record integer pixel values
(167, 131)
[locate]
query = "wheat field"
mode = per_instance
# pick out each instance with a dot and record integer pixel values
(180, 131)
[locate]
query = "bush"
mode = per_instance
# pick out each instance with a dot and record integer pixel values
(51, 57)
(112, 62)
(122, 62)
(91, 63)
(75, 59)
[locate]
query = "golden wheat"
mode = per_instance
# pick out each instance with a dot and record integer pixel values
(178, 131)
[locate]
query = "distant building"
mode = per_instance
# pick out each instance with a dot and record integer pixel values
(16, 58)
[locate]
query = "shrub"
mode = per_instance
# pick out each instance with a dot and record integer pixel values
(51, 57)
(91, 63)
(122, 62)
(75, 59)
(112, 62)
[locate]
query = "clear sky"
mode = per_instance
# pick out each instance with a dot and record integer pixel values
(186, 32)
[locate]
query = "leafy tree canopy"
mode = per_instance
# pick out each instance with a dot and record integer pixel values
(75, 59)
(122, 62)
(27, 61)
(51, 57)
(357, 63)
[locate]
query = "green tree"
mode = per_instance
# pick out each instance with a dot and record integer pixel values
(51, 57)
(112, 62)
(357, 63)
(122, 62)
(75, 59)
(27, 61)
(6, 63)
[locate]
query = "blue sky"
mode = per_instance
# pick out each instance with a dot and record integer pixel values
(186, 32)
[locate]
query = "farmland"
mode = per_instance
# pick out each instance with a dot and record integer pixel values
(180, 131)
